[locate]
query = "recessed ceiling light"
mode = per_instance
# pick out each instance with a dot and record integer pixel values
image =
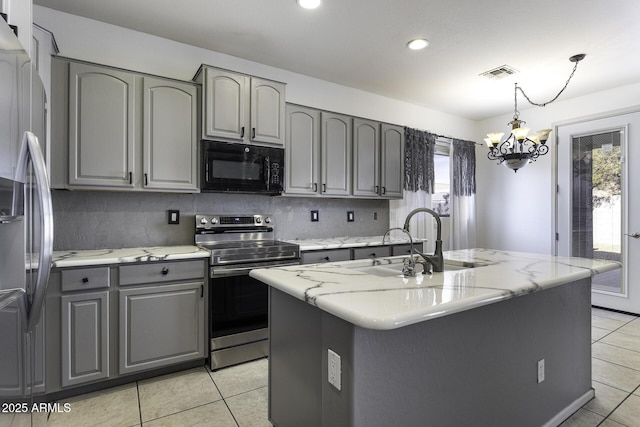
(309, 4)
(417, 44)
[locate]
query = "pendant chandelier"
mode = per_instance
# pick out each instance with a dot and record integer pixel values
(519, 148)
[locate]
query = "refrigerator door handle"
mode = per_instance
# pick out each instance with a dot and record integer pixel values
(30, 150)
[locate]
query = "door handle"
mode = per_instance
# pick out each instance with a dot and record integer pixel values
(634, 235)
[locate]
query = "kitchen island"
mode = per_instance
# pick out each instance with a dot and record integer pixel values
(462, 347)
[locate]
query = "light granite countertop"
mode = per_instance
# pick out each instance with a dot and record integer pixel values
(349, 242)
(85, 258)
(355, 291)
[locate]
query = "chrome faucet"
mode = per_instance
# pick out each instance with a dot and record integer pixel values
(436, 260)
(409, 266)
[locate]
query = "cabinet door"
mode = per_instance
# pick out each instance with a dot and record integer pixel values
(267, 111)
(101, 126)
(170, 140)
(85, 337)
(160, 325)
(366, 158)
(225, 104)
(392, 161)
(336, 154)
(302, 164)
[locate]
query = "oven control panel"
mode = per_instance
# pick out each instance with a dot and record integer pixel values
(239, 222)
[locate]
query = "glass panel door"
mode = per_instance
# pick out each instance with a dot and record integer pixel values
(597, 202)
(597, 208)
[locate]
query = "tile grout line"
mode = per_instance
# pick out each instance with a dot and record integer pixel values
(223, 398)
(139, 402)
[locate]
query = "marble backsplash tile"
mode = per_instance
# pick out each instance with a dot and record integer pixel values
(105, 219)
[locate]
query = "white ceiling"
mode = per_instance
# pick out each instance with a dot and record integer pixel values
(361, 43)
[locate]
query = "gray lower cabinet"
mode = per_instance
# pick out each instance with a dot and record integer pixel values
(161, 314)
(160, 325)
(85, 337)
(328, 255)
(84, 324)
(371, 252)
(106, 322)
(347, 254)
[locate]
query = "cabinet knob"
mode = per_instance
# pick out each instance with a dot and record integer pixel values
(165, 271)
(327, 259)
(373, 254)
(85, 280)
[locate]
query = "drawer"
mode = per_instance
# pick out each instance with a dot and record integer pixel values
(331, 255)
(84, 278)
(371, 252)
(404, 249)
(158, 272)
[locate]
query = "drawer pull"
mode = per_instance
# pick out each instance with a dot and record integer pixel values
(327, 259)
(85, 280)
(165, 271)
(373, 254)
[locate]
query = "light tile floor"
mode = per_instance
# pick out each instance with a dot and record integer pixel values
(615, 372)
(237, 396)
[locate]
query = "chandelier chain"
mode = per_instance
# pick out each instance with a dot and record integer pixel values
(556, 97)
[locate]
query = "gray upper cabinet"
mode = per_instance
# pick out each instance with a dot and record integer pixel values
(126, 131)
(340, 156)
(392, 161)
(302, 150)
(378, 159)
(267, 111)
(242, 108)
(170, 120)
(101, 126)
(336, 152)
(225, 104)
(366, 158)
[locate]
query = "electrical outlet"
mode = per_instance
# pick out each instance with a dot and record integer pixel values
(315, 216)
(351, 216)
(540, 370)
(174, 216)
(334, 369)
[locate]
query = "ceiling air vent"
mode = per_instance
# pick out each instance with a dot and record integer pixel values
(499, 73)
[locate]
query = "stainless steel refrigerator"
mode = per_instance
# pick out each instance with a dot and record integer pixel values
(26, 232)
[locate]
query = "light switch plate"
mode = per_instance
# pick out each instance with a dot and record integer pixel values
(315, 216)
(351, 216)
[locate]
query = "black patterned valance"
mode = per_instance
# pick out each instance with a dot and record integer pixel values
(418, 160)
(463, 158)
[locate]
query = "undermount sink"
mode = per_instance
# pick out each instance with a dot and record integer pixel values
(395, 269)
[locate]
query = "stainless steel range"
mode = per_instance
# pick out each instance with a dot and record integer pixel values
(238, 304)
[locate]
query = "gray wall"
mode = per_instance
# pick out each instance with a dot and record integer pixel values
(104, 219)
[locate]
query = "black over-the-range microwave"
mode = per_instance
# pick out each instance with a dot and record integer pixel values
(241, 168)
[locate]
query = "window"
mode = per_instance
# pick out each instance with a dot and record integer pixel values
(441, 198)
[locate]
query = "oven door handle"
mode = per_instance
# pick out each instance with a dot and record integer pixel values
(219, 271)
